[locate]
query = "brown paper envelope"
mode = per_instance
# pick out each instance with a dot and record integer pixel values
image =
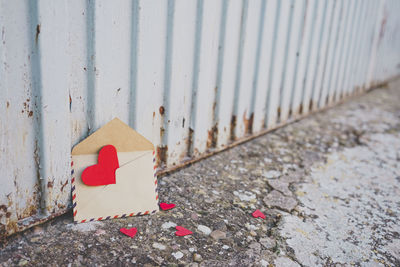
(133, 194)
(115, 133)
(135, 190)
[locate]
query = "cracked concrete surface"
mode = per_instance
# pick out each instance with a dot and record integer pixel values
(328, 184)
(349, 207)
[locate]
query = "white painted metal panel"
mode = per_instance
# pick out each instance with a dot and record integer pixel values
(230, 32)
(322, 53)
(149, 68)
(387, 58)
(177, 107)
(54, 105)
(314, 48)
(192, 76)
(80, 58)
(375, 43)
(368, 46)
(288, 82)
(19, 154)
(265, 67)
(361, 54)
(343, 69)
(248, 67)
(346, 20)
(358, 33)
(354, 37)
(278, 60)
(112, 26)
(308, 35)
(206, 81)
(331, 53)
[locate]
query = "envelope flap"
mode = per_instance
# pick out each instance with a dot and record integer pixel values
(115, 133)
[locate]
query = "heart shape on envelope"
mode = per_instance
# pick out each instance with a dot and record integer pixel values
(129, 161)
(103, 173)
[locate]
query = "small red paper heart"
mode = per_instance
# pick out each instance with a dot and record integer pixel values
(182, 231)
(165, 206)
(258, 213)
(103, 173)
(129, 232)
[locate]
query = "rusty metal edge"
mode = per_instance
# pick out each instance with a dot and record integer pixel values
(245, 139)
(39, 219)
(36, 220)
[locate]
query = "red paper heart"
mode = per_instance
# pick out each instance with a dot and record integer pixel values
(258, 213)
(103, 172)
(182, 231)
(165, 206)
(129, 232)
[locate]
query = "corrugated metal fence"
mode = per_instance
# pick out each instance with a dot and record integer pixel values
(193, 76)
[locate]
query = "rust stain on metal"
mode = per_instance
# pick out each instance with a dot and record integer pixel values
(213, 132)
(214, 107)
(190, 141)
(212, 137)
(248, 123)
(233, 126)
(162, 131)
(3, 208)
(13, 224)
(27, 108)
(161, 110)
(63, 185)
(37, 33)
(279, 112)
(70, 102)
(301, 108)
(13, 227)
(31, 206)
(162, 156)
(61, 206)
(310, 106)
(28, 211)
(37, 167)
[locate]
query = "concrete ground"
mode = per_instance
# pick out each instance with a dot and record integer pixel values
(328, 184)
